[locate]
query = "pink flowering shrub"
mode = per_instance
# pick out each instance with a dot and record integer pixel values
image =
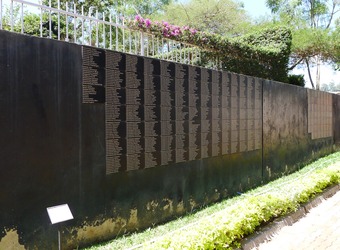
(163, 29)
(211, 42)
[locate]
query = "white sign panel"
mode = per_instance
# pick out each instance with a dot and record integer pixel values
(59, 213)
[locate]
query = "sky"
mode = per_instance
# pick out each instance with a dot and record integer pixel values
(255, 8)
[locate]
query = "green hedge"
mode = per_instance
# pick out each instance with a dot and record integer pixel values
(263, 53)
(297, 80)
(225, 229)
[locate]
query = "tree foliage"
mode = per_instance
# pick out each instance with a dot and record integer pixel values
(215, 16)
(308, 43)
(317, 13)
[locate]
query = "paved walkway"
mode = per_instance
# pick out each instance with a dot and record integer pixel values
(318, 230)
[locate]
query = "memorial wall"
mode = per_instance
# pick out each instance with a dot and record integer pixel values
(129, 142)
(336, 118)
(161, 113)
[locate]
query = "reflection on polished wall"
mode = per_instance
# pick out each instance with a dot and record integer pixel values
(320, 114)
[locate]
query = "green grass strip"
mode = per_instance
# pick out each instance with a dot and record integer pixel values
(223, 225)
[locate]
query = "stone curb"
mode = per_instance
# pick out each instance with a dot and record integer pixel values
(267, 232)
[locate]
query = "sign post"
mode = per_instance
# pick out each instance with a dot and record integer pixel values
(59, 214)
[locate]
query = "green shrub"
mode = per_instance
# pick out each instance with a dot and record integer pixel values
(229, 226)
(263, 53)
(297, 80)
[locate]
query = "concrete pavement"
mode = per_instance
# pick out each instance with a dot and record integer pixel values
(311, 228)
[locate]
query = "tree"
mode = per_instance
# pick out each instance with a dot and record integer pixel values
(216, 16)
(331, 87)
(313, 38)
(317, 13)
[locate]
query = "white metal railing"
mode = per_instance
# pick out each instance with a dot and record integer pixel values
(102, 30)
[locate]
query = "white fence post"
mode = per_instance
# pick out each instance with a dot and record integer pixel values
(142, 44)
(0, 14)
(12, 21)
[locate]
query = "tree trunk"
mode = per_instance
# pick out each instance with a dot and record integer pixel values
(317, 81)
(310, 76)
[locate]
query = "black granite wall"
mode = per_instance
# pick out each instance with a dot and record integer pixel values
(129, 141)
(336, 118)
(40, 138)
(285, 128)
